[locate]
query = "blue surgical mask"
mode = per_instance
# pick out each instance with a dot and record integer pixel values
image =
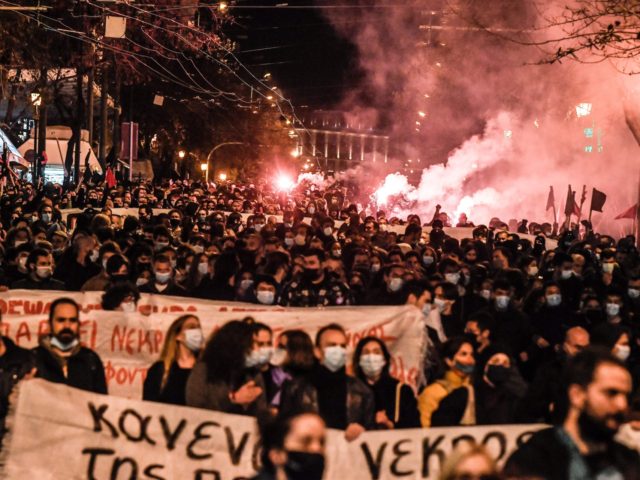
(502, 302)
(335, 358)
(65, 347)
(554, 300)
(163, 278)
(466, 369)
(46, 217)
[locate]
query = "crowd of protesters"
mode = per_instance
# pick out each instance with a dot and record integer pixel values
(519, 332)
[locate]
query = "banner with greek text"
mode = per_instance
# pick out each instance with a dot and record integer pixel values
(129, 343)
(99, 437)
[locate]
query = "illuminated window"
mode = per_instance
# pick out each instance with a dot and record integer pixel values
(583, 109)
(588, 132)
(508, 134)
(588, 149)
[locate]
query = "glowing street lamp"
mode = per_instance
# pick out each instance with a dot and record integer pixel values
(295, 153)
(223, 6)
(222, 177)
(182, 154)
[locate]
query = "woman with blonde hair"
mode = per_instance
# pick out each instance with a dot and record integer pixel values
(469, 461)
(166, 380)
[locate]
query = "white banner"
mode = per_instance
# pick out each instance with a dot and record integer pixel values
(100, 437)
(129, 343)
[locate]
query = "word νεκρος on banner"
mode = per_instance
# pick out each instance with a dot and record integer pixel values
(99, 436)
(128, 343)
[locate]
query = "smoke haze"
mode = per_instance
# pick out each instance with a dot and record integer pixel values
(489, 127)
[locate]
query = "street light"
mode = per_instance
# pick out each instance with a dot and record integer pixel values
(205, 168)
(182, 154)
(222, 177)
(36, 101)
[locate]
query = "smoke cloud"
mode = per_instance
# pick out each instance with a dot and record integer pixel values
(487, 125)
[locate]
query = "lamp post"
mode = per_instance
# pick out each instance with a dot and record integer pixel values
(205, 168)
(220, 145)
(36, 101)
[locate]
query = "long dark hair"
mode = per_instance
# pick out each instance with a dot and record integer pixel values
(299, 350)
(226, 350)
(358, 353)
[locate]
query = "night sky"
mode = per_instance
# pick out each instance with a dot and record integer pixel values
(307, 59)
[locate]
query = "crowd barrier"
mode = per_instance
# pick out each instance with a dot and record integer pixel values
(97, 437)
(129, 343)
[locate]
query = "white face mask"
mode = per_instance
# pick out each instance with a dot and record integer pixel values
(43, 272)
(608, 267)
(22, 263)
(94, 255)
(622, 352)
(440, 304)
(141, 281)
(612, 309)
(279, 357)
(265, 297)
(335, 358)
(288, 241)
(566, 274)
(128, 307)
(533, 271)
(203, 268)
(193, 339)
(328, 231)
(452, 277)
(395, 284)
(633, 293)
(372, 364)
(300, 240)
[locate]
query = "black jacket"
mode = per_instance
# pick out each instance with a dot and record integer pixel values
(172, 289)
(544, 455)
(174, 390)
(386, 392)
(30, 284)
(84, 368)
(301, 394)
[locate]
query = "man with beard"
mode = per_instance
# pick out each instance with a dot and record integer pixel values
(582, 446)
(315, 287)
(61, 358)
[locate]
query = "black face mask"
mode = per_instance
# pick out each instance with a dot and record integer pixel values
(311, 274)
(304, 466)
(119, 277)
(175, 223)
(497, 374)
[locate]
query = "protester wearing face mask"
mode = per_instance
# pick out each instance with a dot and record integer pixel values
(61, 358)
(395, 403)
(121, 297)
(616, 338)
(40, 269)
(314, 287)
(260, 359)
(163, 282)
(390, 291)
(166, 379)
(614, 307)
(101, 281)
(293, 448)
(225, 378)
(499, 390)
(447, 305)
(457, 369)
(571, 285)
(343, 401)
(513, 327)
(266, 290)
(551, 321)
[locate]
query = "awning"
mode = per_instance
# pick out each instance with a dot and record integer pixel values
(56, 150)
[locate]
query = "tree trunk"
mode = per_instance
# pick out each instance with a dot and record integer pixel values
(90, 104)
(104, 120)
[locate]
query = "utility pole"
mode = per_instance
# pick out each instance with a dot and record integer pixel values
(78, 125)
(104, 119)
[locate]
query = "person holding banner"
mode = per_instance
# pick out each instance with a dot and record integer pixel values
(166, 380)
(61, 358)
(225, 378)
(459, 362)
(395, 402)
